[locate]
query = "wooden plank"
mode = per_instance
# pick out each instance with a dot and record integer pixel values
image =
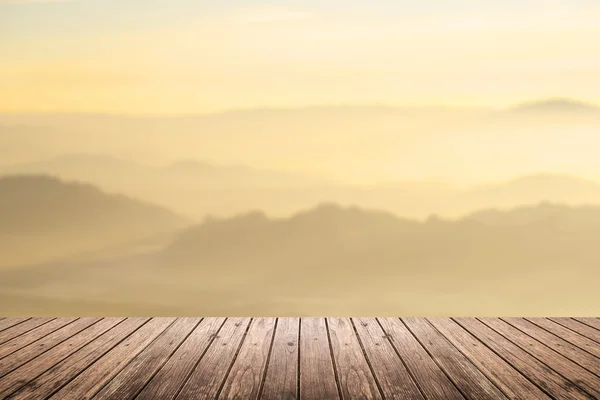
(555, 385)
(27, 353)
(567, 334)
(49, 357)
(593, 322)
(317, 374)
(60, 374)
(393, 377)
(93, 378)
(208, 377)
(567, 368)
(504, 376)
(22, 328)
(354, 374)
(132, 379)
(33, 335)
(281, 380)
(432, 381)
(166, 384)
(579, 327)
(9, 322)
(557, 344)
(472, 383)
(246, 375)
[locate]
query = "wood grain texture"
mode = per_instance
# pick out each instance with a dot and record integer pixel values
(63, 372)
(167, 383)
(210, 374)
(38, 365)
(22, 328)
(573, 353)
(33, 335)
(246, 375)
(567, 334)
(90, 381)
(472, 383)
(593, 322)
(9, 322)
(537, 372)
(281, 379)
(567, 368)
(393, 377)
(132, 379)
(317, 375)
(504, 376)
(299, 358)
(580, 328)
(431, 379)
(354, 375)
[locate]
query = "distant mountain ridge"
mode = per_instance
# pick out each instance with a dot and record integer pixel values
(356, 238)
(43, 216)
(556, 105)
(197, 188)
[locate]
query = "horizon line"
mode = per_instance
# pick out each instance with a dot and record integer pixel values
(266, 108)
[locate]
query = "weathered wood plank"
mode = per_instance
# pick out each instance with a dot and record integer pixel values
(209, 375)
(393, 377)
(573, 353)
(567, 334)
(246, 375)
(545, 378)
(472, 383)
(593, 322)
(167, 383)
(317, 375)
(32, 369)
(60, 374)
(579, 327)
(354, 374)
(507, 378)
(281, 380)
(33, 335)
(22, 328)
(567, 368)
(10, 322)
(132, 379)
(27, 353)
(94, 377)
(431, 379)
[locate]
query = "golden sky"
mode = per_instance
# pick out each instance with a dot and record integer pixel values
(183, 56)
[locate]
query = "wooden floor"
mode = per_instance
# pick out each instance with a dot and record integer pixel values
(291, 358)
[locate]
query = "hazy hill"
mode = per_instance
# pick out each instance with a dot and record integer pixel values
(556, 106)
(344, 243)
(527, 190)
(45, 217)
(197, 189)
(338, 260)
(355, 144)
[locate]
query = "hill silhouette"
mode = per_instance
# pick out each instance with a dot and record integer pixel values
(342, 242)
(556, 105)
(44, 216)
(195, 188)
(355, 144)
(342, 260)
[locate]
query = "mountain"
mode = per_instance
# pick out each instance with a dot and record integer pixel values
(197, 188)
(331, 239)
(356, 144)
(335, 240)
(556, 105)
(339, 261)
(43, 216)
(527, 190)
